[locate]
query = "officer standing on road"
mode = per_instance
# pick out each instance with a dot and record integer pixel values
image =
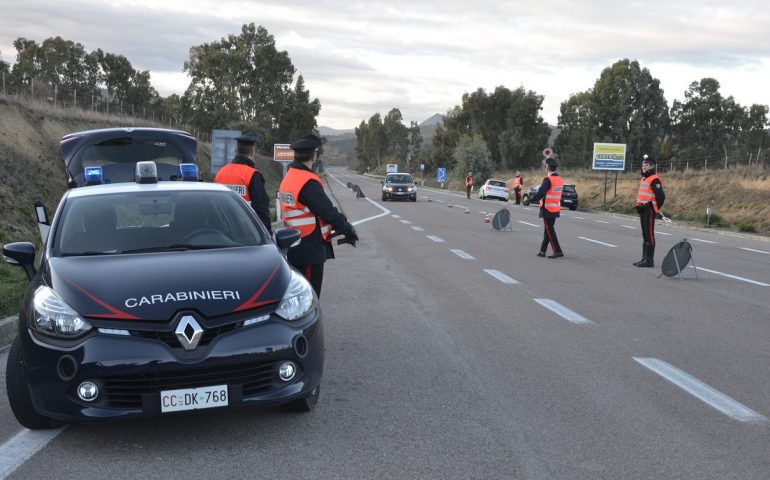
(549, 196)
(243, 178)
(468, 184)
(649, 201)
(305, 206)
(518, 181)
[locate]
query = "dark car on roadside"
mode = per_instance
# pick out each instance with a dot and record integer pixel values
(398, 186)
(155, 297)
(569, 196)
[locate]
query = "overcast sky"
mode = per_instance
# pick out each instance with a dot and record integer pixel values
(360, 58)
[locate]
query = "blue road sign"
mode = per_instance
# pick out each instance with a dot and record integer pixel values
(441, 175)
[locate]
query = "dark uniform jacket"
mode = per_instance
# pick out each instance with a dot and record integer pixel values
(544, 187)
(312, 250)
(259, 199)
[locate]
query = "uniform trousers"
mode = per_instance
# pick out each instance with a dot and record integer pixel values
(549, 236)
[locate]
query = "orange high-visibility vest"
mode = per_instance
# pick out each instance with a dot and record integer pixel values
(468, 181)
(293, 213)
(236, 177)
(645, 194)
(552, 200)
(517, 182)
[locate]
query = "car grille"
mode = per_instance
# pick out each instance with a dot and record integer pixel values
(169, 338)
(127, 391)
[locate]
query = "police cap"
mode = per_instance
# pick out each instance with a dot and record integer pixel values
(551, 162)
(249, 138)
(308, 143)
(647, 159)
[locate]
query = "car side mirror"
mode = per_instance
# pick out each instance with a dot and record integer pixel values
(286, 238)
(21, 254)
(382, 182)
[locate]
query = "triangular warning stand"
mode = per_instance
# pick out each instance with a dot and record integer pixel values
(677, 259)
(360, 193)
(502, 220)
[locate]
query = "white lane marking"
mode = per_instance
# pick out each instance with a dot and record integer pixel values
(501, 276)
(385, 211)
(439, 201)
(527, 223)
(734, 277)
(435, 238)
(461, 254)
(563, 311)
(663, 233)
(708, 395)
(628, 226)
(396, 216)
(701, 240)
(405, 221)
(22, 446)
(580, 218)
(418, 229)
(597, 241)
(600, 221)
(755, 251)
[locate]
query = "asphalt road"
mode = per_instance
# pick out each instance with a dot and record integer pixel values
(454, 352)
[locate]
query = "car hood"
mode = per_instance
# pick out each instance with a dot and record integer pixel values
(154, 286)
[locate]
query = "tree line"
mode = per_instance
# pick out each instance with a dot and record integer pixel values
(503, 130)
(239, 82)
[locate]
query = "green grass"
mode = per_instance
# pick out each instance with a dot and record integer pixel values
(13, 283)
(747, 227)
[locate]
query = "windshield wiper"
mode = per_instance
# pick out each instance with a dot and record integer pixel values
(88, 253)
(177, 247)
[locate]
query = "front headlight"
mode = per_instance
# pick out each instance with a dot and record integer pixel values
(54, 317)
(388, 189)
(410, 189)
(298, 299)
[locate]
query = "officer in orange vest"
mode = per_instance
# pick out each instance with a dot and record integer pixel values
(518, 181)
(305, 206)
(549, 195)
(649, 200)
(245, 180)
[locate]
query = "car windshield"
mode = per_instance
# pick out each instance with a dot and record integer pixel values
(496, 183)
(399, 179)
(569, 188)
(154, 221)
(118, 157)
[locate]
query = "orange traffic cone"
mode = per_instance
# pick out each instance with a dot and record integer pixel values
(487, 218)
(467, 210)
(450, 204)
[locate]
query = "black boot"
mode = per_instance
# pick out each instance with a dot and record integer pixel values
(644, 254)
(648, 260)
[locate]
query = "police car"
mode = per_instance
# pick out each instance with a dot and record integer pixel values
(156, 297)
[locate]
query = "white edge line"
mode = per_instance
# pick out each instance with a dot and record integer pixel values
(708, 395)
(597, 241)
(755, 251)
(734, 277)
(501, 276)
(22, 446)
(563, 311)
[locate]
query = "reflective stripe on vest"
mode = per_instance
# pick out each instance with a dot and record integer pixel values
(293, 213)
(645, 194)
(552, 200)
(236, 177)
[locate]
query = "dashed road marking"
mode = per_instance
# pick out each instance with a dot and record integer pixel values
(580, 218)
(435, 238)
(461, 254)
(701, 240)
(563, 311)
(527, 223)
(600, 221)
(418, 229)
(405, 221)
(396, 216)
(708, 395)
(597, 241)
(628, 226)
(501, 276)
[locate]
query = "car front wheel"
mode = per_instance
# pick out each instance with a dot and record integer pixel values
(17, 384)
(525, 200)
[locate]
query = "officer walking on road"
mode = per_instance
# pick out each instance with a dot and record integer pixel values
(649, 201)
(243, 178)
(549, 196)
(518, 181)
(468, 184)
(305, 206)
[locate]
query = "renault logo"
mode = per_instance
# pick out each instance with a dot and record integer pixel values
(189, 332)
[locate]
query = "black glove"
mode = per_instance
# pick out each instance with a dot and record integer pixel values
(659, 216)
(350, 237)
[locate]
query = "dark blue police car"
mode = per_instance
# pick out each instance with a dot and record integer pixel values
(151, 297)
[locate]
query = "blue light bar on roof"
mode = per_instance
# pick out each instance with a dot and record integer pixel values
(188, 172)
(94, 175)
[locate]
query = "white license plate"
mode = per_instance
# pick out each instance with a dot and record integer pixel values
(193, 398)
(567, 201)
